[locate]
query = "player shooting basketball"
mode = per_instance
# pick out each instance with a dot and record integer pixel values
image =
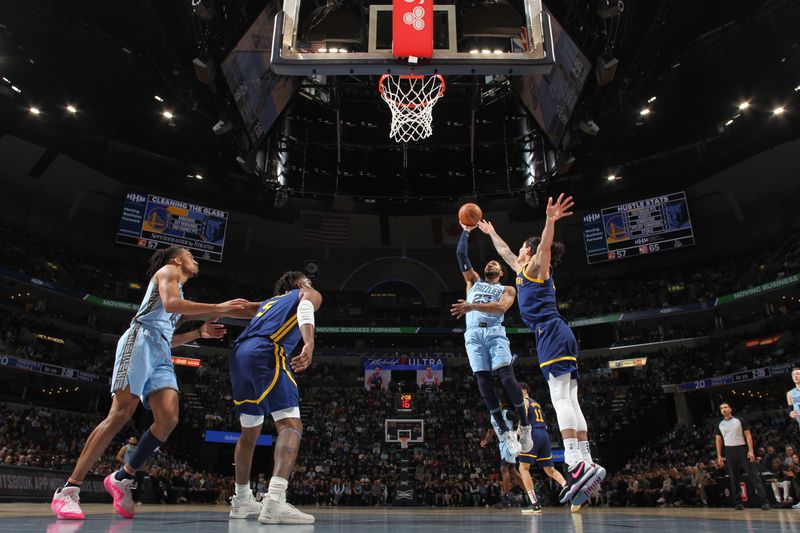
(556, 346)
(487, 346)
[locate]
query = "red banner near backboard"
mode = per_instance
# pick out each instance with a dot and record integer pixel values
(412, 28)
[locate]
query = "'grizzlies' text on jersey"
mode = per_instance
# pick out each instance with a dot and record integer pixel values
(536, 299)
(152, 314)
(484, 293)
(535, 415)
(276, 321)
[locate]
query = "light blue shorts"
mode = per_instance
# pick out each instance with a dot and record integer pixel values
(143, 363)
(487, 348)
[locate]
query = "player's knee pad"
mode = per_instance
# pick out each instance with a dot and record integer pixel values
(250, 421)
(486, 387)
(559, 395)
(580, 422)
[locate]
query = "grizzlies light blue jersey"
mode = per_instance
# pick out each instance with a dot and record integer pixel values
(482, 292)
(536, 299)
(152, 314)
(794, 395)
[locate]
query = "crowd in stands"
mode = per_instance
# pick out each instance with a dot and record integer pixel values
(680, 469)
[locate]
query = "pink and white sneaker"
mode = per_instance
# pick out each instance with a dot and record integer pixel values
(121, 492)
(66, 504)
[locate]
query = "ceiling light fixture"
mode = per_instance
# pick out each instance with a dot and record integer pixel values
(158, 98)
(644, 112)
(651, 99)
(778, 110)
(612, 177)
(72, 109)
(744, 105)
(167, 115)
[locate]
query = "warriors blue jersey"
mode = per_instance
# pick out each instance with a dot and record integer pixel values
(535, 415)
(536, 299)
(794, 395)
(483, 293)
(276, 321)
(152, 314)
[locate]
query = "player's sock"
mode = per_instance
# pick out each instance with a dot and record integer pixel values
(242, 489)
(572, 454)
(532, 496)
(147, 446)
(277, 488)
(510, 384)
(586, 455)
(122, 474)
(486, 388)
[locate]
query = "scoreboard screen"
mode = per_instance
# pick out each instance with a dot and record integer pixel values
(152, 221)
(638, 228)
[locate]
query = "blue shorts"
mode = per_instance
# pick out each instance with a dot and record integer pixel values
(487, 348)
(556, 348)
(143, 363)
(261, 381)
(540, 454)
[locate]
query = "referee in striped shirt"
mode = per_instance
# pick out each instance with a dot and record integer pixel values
(734, 433)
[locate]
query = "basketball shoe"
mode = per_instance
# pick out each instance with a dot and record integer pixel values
(66, 503)
(244, 506)
(525, 440)
(576, 477)
(535, 508)
(120, 491)
(589, 487)
(277, 512)
(510, 438)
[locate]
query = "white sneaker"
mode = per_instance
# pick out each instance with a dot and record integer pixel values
(66, 504)
(796, 506)
(120, 491)
(275, 512)
(510, 438)
(244, 506)
(525, 439)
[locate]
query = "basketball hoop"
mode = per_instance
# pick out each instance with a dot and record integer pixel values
(404, 442)
(411, 99)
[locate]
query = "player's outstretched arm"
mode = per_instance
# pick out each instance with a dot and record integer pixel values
(488, 438)
(169, 292)
(462, 253)
(310, 301)
(209, 330)
(554, 212)
(500, 245)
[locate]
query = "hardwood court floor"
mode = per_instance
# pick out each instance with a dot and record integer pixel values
(24, 517)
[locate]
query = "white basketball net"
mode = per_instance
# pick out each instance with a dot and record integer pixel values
(411, 100)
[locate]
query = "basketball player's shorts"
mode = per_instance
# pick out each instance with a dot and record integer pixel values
(556, 348)
(487, 348)
(261, 381)
(506, 458)
(540, 454)
(143, 363)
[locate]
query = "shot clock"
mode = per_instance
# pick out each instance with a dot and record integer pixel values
(405, 402)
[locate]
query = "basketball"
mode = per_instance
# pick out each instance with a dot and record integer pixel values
(470, 214)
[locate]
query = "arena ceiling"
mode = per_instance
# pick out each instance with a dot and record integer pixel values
(122, 64)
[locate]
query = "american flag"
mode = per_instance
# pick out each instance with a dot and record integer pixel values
(326, 229)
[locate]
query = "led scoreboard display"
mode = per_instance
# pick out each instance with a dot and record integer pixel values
(637, 228)
(152, 221)
(405, 402)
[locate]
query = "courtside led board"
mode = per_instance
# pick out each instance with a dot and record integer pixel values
(152, 221)
(637, 228)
